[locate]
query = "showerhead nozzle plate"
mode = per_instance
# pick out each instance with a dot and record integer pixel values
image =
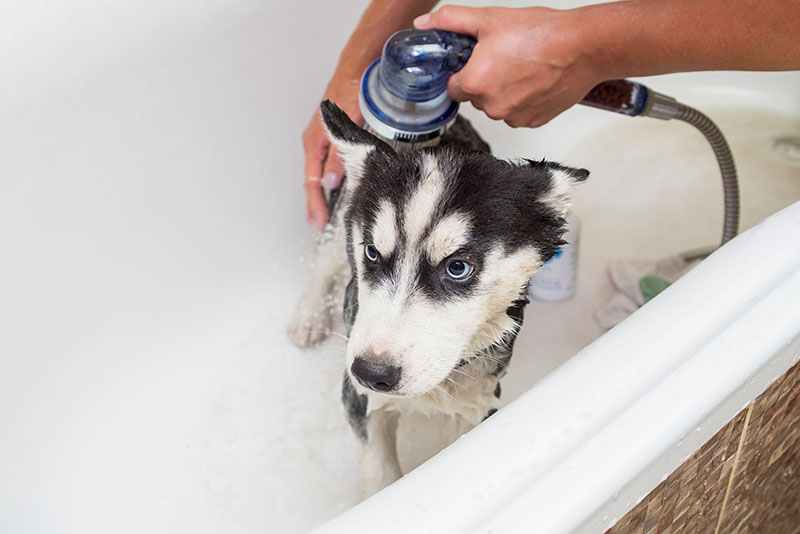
(397, 119)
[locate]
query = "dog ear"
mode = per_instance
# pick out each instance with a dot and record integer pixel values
(562, 181)
(353, 143)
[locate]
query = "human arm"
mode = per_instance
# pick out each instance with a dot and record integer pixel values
(322, 166)
(530, 64)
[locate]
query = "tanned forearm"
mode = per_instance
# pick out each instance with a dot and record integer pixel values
(530, 64)
(380, 20)
(645, 37)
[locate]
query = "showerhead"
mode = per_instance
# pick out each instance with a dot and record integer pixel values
(403, 94)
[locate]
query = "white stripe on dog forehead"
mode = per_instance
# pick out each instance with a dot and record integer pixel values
(384, 232)
(422, 206)
(358, 248)
(447, 236)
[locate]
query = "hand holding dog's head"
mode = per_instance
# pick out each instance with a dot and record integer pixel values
(442, 241)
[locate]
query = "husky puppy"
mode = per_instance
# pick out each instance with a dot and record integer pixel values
(440, 244)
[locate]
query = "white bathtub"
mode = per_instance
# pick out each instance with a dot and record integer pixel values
(151, 221)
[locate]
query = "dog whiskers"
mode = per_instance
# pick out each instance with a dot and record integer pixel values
(537, 327)
(337, 351)
(324, 352)
(500, 364)
(459, 371)
(456, 385)
(435, 398)
(490, 357)
(337, 334)
(330, 333)
(439, 387)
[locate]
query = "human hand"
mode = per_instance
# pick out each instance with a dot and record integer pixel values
(323, 167)
(529, 64)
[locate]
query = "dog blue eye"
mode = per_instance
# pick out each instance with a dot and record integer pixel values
(458, 270)
(371, 253)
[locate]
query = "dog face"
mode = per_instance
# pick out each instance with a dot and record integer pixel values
(441, 242)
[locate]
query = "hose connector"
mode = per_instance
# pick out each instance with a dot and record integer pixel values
(660, 106)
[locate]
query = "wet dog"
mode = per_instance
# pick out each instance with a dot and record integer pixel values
(438, 245)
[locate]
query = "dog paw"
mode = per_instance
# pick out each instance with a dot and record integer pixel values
(310, 324)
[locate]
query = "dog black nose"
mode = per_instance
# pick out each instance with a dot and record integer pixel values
(377, 376)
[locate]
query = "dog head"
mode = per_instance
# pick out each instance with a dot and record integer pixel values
(441, 241)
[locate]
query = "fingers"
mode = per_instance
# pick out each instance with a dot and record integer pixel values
(316, 147)
(457, 91)
(323, 169)
(466, 84)
(458, 19)
(333, 171)
(315, 205)
(475, 81)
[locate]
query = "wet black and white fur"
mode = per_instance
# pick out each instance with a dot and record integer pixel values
(441, 243)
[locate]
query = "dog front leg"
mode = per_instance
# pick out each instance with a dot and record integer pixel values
(377, 440)
(313, 315)
(377, 460)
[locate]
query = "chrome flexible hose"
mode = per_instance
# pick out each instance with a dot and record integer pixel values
(730, 184)
(634, 99)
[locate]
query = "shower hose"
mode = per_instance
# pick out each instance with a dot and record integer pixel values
(633, 99)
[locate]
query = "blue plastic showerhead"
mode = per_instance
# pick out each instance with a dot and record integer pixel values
(416, 64)
(403, 95)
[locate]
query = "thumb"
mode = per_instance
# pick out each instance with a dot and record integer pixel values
(458, 19)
